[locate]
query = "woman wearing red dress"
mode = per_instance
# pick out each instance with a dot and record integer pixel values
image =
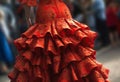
(56, 48)
(112, 22)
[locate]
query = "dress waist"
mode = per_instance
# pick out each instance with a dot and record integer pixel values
(49, 12)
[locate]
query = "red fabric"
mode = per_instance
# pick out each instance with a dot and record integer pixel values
(118, 24)
(118, 27)
(112, 18)
(57, 49)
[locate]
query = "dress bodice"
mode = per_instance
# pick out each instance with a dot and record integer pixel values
(49, 10)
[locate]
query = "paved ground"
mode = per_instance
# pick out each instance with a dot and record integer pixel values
(109, 56)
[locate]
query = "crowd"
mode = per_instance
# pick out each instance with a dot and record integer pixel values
(102, 16)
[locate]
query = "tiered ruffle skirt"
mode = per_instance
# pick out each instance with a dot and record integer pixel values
(57, 51)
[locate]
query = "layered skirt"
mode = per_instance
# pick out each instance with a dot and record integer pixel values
(57, 51)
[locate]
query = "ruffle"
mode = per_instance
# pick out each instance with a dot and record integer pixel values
(60, 48)
(84, 71)
(87, 69)
(28, 2)
(56, 34)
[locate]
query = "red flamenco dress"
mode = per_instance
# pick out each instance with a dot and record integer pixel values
(56, 48)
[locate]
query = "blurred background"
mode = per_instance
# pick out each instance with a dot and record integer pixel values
(102, 16)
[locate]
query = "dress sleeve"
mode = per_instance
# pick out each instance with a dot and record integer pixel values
(28, 2)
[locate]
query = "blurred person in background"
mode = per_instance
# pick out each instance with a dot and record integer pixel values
(6, 57)
(118, 15)
(8, 3)
(87, 8)
(112, 20)
(21, 19)
(9, 19)
(100, 18)
(77, 11)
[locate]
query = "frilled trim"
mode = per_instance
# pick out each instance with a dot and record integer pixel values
(61, 49)
(28, 2)
(56, 34)
(81, 71)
